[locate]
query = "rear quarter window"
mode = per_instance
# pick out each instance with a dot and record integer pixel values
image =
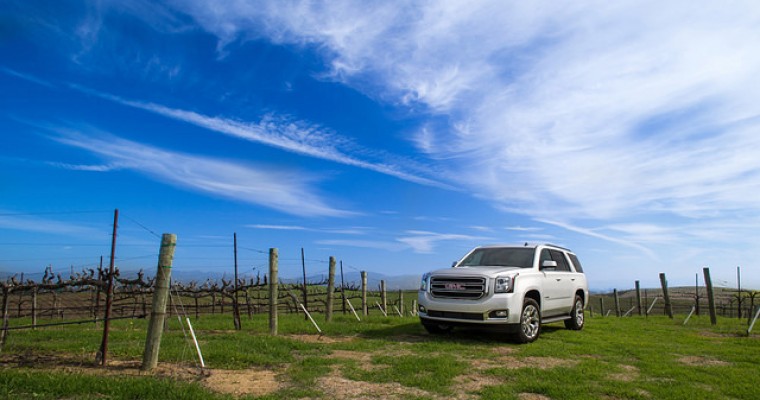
(576, 263)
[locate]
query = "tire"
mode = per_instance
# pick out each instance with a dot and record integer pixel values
(530, 322)
(577, 317)
(436, 329)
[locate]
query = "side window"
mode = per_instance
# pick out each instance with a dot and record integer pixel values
(559, 257)
(576, 263)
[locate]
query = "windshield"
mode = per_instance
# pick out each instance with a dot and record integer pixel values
(500, 257)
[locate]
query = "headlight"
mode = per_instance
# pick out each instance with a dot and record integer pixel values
(424, 282)
(504, 284)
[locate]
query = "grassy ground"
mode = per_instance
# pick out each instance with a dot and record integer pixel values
(390, 358)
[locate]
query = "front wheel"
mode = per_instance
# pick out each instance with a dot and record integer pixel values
(577, 319)
(530, 322)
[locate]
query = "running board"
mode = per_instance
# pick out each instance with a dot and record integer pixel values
(555, 319)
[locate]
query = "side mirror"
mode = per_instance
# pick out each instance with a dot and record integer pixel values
(453, 264)
(550, 265)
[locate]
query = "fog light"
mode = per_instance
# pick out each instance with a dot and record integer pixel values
(421, 308)
(499, 314)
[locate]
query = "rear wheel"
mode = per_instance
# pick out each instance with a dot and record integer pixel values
(436, 329)
(530, 322)
(577, 318)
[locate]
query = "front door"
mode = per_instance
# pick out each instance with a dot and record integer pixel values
(559, 284)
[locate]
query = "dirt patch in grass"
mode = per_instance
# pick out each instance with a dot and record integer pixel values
(256, 382)
(351, 355)
(336, 387)
(505, 351)
(697, 361)
(510, 362)
(532, 396)
(474, 382)
(629, 374)
(320, 338)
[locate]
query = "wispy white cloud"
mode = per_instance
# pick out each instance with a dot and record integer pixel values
(340, 231)
(286, 134)
(425, 242)
(279, 227)
(418, 241)
(31, 223)
(367, 244)
(595, 234)
(522, 229)
(83, 167)
(290, 192)
(24, 76)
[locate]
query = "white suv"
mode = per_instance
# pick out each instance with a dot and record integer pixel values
(512, 287)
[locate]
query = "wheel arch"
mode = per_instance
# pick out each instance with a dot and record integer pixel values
(582, 294)
(535, 295)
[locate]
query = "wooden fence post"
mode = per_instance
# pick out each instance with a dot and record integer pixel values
(710, 296)
(401, 301)
(668, 304)
(4, 332)
(235, 303)
(383, 296)
(739, 297)
(160, 299)
(330, 290)
(34, 308)
(601, 306)
(103, 353)
(305, 287)
(342, 288)
(696, 294)
(273, 290)
(365, 307)
(638, 297)
(617, 302)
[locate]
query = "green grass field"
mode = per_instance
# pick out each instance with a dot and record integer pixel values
(389, 358)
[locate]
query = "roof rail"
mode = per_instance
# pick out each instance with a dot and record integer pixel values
(559, 247)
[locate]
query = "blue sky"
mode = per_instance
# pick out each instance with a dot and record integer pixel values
(394, 136)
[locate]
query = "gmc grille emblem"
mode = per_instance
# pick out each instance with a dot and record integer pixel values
(454, 286)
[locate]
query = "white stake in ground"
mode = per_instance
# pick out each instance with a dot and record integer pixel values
(649, 310)
(310, 318)
(757, 314)
(353, 311)
(690, 313)
(197, 347)
(381, 309)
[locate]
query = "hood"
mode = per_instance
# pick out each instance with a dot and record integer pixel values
(490, 272)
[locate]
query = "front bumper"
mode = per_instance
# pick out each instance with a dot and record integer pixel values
(494, 309)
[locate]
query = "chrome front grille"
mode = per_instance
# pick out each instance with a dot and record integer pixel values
(456, 287)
